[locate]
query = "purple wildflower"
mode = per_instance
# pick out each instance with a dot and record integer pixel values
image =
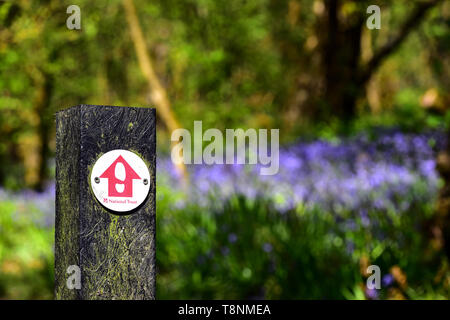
(371, 293)
(267, 247)
(387, 280)
(232, 237)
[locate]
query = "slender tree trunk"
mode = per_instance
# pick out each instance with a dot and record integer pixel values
(441, 227)
(158, 93)
(43, 130)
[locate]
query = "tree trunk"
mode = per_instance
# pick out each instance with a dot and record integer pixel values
(441, 228)
(43, 130)
(345, 78)
(158, 92)
(342, 51)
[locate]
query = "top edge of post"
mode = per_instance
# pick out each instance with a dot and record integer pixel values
(101, 105)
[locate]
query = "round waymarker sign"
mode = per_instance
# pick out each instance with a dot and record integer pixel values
(120, 180)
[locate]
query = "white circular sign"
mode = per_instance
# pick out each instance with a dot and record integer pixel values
(120, 180)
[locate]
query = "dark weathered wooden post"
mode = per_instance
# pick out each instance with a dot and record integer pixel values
(105, 203)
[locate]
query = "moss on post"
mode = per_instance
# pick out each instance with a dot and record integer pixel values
(115, 253)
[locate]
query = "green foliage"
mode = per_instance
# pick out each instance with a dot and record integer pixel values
(231, 64)
(227, 63)
(246, 249)
(243, 249)
(26, 253)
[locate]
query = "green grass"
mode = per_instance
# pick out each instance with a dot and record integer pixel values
(245, 249)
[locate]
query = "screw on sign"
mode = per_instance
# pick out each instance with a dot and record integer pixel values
(119, 180)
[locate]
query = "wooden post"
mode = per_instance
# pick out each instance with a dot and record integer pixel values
(114, 252)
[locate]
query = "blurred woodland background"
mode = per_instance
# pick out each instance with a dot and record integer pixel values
(341, 94)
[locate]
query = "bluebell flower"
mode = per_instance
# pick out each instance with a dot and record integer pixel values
(387, 280)
(371, 293)
(225, 251)
(232, 237)
(267, 247)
